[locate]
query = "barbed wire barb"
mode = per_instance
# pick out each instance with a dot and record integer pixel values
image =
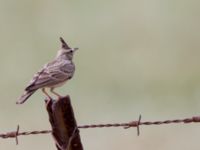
(16, 135)
(135, 124)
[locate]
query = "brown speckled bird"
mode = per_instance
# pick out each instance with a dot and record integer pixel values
(53, 74)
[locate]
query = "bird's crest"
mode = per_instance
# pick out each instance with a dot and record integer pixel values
(64, 44)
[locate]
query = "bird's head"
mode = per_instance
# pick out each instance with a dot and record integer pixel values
(66, 51)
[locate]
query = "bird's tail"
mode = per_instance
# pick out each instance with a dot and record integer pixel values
(25, 96)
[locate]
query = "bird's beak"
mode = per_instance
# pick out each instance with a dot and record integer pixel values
(75, 49)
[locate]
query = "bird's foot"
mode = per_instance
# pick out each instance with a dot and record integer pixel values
(59, 97)
(48, 99)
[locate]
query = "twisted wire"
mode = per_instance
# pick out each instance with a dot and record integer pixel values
(195, 119)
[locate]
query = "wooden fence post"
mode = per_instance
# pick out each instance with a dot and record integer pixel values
(63, 123)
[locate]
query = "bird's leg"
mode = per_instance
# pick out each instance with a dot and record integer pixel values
(58, 95)
(43, 90)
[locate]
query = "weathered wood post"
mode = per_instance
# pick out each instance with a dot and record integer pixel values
(63, 123)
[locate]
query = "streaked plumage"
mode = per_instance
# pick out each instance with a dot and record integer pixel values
(53, 74)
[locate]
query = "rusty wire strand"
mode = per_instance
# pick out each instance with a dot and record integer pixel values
(195, 119)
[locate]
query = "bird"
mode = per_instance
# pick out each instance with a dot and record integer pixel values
(53, 74)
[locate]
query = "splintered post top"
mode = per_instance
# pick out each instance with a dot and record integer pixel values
(64, 44)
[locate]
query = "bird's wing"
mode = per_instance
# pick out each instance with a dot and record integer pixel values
(51, 74)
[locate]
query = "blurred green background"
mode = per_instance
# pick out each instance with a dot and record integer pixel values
(136, 57)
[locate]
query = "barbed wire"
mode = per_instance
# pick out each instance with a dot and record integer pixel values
(138, 123)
